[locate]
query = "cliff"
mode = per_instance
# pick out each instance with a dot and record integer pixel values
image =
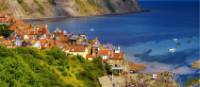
(54, 8)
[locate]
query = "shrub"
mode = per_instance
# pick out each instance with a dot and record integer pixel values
(52, 2)
(4, 52)
(20, 1)
(5, 31)
(81, 59)
(108, 68)
(56, 52)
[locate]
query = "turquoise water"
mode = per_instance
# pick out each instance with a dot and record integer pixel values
(146, 37)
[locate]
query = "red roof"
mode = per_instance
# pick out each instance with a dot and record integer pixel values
(32, 33)
(42, 31)
(5, 19)
(90, 56)
(77, 48)
(118, 56)
(105, 52)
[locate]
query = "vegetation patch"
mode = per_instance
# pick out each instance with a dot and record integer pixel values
(52, 2)
(82, 7)
(193, 82)
(25, 6)
(31, 67)
(20, 1)
(5, 31)
(40, 7)
(94, 3)
(3, 6)
(88, 6)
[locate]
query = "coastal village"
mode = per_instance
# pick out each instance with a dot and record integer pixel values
(26, 35)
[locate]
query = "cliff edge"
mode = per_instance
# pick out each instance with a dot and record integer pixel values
(66, 8)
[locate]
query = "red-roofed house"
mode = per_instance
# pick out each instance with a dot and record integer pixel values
(77, 50)
(117, 60)
(105, 53)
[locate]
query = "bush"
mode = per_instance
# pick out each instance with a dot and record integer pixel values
(20, 1)
(5, 31)
(52, 2)
(81, 59)
(98, 62)
(4, 52)
(56, 52)
(30, 51)
(108, 69)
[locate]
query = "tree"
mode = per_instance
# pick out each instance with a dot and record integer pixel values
(20, 1)
(52, 2)
(5, 31)
(108, 68)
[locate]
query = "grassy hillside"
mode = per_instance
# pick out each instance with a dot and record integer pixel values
(25, 67)
(87, 6)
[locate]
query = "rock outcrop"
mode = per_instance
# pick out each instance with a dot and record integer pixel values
(196, 64)
(54, 8)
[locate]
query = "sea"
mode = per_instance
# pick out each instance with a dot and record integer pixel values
(164, 37)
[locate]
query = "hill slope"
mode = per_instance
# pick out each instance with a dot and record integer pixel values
(53, 8)
(30, 67)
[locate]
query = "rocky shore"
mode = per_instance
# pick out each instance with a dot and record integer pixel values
(159, 79)
(196, 64)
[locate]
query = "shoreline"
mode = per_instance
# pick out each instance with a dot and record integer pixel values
(88, 16)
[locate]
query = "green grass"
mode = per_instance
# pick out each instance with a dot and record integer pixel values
(88, 6)
(94, 3)
(82, 7)
(30, 67)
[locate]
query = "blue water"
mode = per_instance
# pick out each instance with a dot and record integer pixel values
(146, 37)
